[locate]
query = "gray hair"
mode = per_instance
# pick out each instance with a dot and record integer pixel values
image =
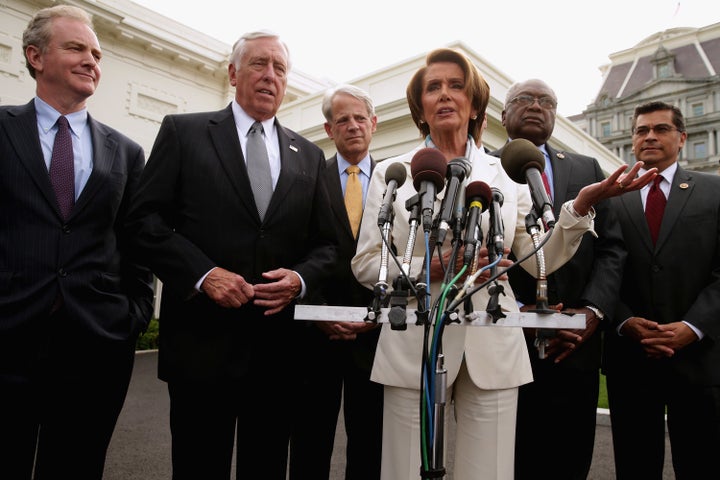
(347, 89)
(238, 49)
(39, 29)
(517, 86)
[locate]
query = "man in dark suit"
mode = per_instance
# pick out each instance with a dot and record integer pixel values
(340, 354)
(71, 302)
(662, 351)
(232, 266)
(557, 412)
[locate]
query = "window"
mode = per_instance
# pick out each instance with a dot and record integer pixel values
(664, 70)
(606, 129)
(698, 109)
(699, 150)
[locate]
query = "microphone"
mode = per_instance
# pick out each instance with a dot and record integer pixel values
(496, 235)
(457, 170)
(394, 178)
(428, 167)
(524, 163)
(478, 196)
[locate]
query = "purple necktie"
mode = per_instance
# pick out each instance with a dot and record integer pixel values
(655, 207)
(62, 172)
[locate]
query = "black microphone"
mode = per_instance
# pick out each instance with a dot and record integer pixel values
(428, 167)
(394, 178)
(457, 170)
(478, 196)
(496, 235)
(524, 163)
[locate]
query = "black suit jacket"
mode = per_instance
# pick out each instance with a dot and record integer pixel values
(344, 289)
(593, 274)
(677, 279)
(195, 210)
(85, 258)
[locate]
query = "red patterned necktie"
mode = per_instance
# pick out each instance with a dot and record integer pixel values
(655, 207)
(547, 185)
(62, 171)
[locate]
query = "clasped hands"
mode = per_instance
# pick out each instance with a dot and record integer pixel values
(230, 290)
(658, 340)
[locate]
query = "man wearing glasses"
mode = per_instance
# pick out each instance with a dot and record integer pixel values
(557, 411)
(662, 350)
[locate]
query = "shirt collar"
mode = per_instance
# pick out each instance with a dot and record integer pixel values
(47, 117)
(243, 121)
(364, 164)
(668, 174)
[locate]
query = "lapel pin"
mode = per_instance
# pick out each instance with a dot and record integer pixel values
(684, 186)
(293, 148)
(560, 155)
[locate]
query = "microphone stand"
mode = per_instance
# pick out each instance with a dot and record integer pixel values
(402, 285)
(495, 289)
(542, 335)
(380, 298)
(439, 381)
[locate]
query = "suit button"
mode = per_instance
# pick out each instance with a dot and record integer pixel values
(656, 268)
(62, 273)
(66, 228)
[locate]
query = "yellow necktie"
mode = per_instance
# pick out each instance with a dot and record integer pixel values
(353, 198)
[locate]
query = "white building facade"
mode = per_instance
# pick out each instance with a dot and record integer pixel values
(153, 66)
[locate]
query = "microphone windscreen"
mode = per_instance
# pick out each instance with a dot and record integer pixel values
(478, 189)
(519, 155)
(428, 165)
(460, 167)
(396, 172)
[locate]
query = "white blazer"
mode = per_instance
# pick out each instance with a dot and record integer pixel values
(496, 357)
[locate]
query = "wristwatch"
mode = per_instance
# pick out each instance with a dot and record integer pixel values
(598, 313)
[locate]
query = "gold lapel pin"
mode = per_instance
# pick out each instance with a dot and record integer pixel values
(560, 155)
(684, 186)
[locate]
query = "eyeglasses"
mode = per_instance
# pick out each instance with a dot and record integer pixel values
(661, 129)
(548, 103)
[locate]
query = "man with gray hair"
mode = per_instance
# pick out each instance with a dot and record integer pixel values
(72, 302)
(340, 354)
(231, 215)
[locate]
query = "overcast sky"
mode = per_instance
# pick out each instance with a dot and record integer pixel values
(560, 41)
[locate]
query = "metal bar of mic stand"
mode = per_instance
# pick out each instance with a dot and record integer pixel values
(439, 416)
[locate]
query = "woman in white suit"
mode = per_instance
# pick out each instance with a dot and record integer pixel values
(485, 365)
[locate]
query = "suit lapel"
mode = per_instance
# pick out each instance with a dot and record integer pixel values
(291, 166)
(224, 136)
(632, 202)
(104, 154)
(561, 172)
(337, 199)
(676, 202)
(22, 134)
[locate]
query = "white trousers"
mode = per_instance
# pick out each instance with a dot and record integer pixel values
(485, 433)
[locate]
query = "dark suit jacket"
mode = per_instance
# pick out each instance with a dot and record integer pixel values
(344, 289)
(593, 274)
(195, 210)
(677, 279)
(84, 259)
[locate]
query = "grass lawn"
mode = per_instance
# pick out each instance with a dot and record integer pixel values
(602, 397)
